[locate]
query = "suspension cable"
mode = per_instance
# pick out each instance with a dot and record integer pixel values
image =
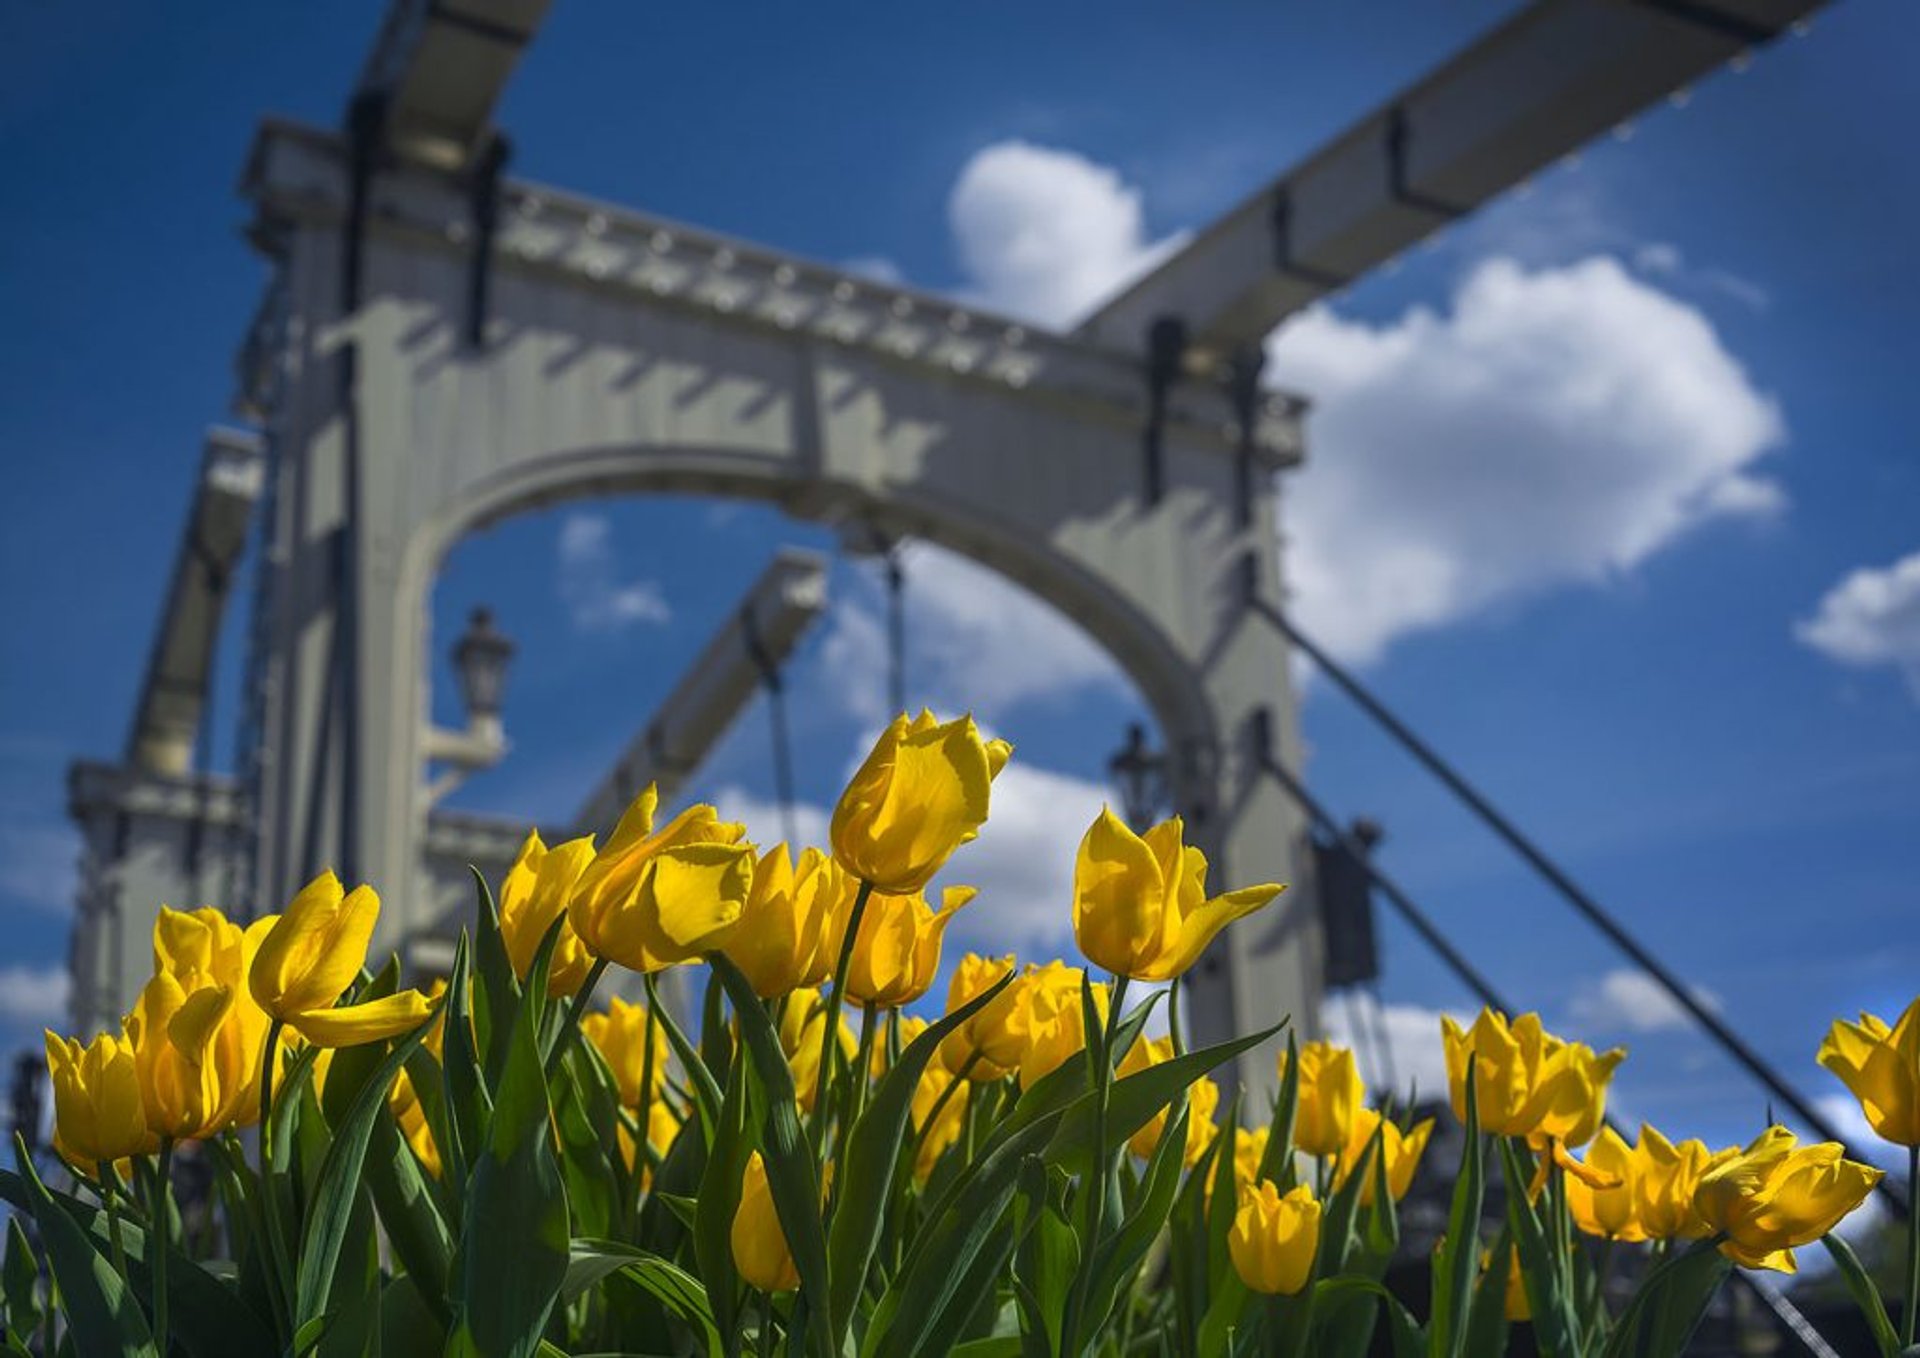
(1556, 877)
(775, 685)
(896, 629)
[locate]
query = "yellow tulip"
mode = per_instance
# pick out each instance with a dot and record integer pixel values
(1777, 1194)
(966, 1048)
(781, 943)
(907, 1028)
(1330, 1096)
(1514, 1302)
(1881, 1067)
(685, 902)
(1528, 1082)
(1140, 906)
(201, 948)
(616, 869)
(1249, 1149)
(620, 1034)
(760, 1250)
(921, 794)
(1610, 1211)
(949, 1121)
(1665, 1178)
(897, 951)
(1274, 1238)
(1203, 1098)
(801, 1024)
(187, 1078)
(533, 894)
(1046, 1027)
(403, 1100)
(1401, 1151)
(312, 953)
(98, 1116)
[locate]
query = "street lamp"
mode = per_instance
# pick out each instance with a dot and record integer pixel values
(1140, 776)
(480, 657)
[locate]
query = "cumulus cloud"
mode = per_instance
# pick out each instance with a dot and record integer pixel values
(1871, 618)
(1662, 259)
(587, 576)
(1045, 233)
(767, 820)
(34, 996)
(1628, 1000)
(1556, 426)
(974, 641)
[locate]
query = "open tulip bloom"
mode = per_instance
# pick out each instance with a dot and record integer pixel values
(524, 1157)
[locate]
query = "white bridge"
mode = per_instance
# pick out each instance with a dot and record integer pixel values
(441, 346)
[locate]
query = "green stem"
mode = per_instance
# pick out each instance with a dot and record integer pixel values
(862, 1070)
(643, 1144)
(1911, 1330)
(1173, 1018)
(575, 1009)
(829, 1047)
(1102, 1059)
(110, 1198)
(160, 1239)
(269, 1191)
(765, 1343)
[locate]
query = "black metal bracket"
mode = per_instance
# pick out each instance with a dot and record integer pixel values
(477, 27)
(366, 116)
(1166, 349)
(1243, 389)
(1399, 134)
(1712, 19)
(484, 204)
(1280, 220)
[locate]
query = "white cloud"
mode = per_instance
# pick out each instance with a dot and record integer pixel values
(767, 823)
(587, 576)
(1045, 233)
(975, 641)
(1556, 427)
(1662, 259)
(1872, 617)
(1415, 1064)
(34, 996)
(1023, 863)
(1629, 1000)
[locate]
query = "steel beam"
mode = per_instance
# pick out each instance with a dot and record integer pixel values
(763, 631)
(168, 715)
(1545, 82)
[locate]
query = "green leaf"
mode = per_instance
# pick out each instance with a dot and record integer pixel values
(1667, 1307)
(333, 1200)
(871, 1156)
(496, 994)
(1555, 1328)
(1487, 1324)
(422, 1244)
(674, 1288)
(1865, 1295)
(719, 1199)
(101, 1313)
(468, 1097)
(1408, 1339)
(706, 1090)
(1458, 1258)
(19, 1283)
(1133, 1102)
(512, 1257)
(784, 1146)
(1276, 1161)
(1142, 1226)
(407, 1322)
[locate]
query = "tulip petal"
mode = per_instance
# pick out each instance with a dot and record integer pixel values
(1197, 930)
(374, 1021)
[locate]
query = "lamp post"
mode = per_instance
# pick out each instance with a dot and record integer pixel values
(1140, 776)
(480, 657)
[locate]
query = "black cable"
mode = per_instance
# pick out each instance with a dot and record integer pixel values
(1729, 1041)
(777, 719)
(896, 631)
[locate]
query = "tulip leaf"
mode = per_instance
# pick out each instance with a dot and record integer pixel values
(1458, 1259)
(1487, 1323)
(99, 1307)
(334, 1195)
(592, 1261)
(1668, 1306)
(719, 1199)
(467, 1100)
(1404, 1332)
(1133, 1102)
(788, 1154)
(586, 1124)
(1554, 1326)
(1142, 1226)
(1127, 1031)
(19, 1284)
(414, 1226)
(1276, 1161)
(1865, 1295)
(496, 996)
(706, 1090)
(512, 1257)
(872, 1152)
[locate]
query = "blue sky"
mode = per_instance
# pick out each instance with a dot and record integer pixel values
(1609, 488)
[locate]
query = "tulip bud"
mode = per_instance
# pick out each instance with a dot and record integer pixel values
(921, 794)
(533, 894)
(1139, 904)
(897, 951)
(1880, 1066)
(98, 1117)
(1274, 1238)
(760, 1252)
(781, 942)
(1331, 1094)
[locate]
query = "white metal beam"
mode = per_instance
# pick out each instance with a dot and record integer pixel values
(167, 717)
(1545, 82)
(777, 611)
